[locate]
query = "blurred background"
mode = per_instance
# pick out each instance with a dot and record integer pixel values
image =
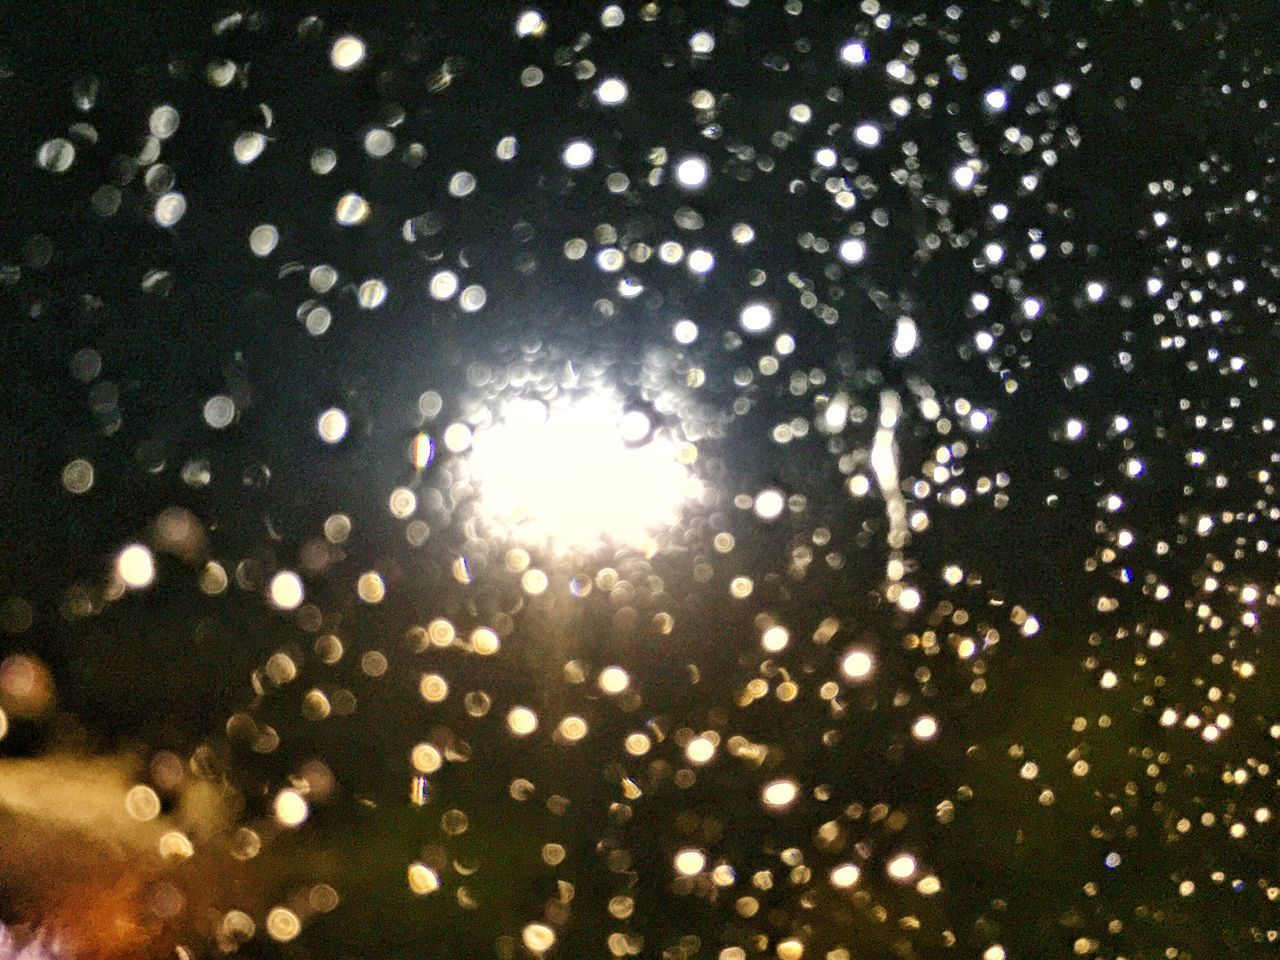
(710, 480)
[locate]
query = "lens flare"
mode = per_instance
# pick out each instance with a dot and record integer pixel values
(566, 475)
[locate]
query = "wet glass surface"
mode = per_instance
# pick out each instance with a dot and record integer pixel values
(741, 479)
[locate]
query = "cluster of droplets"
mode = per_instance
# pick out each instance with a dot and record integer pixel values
(770, 702)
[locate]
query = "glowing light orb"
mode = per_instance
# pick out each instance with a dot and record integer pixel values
(577, 475)
(902, 867)
(779, 793)
(290, 808)
(136, 566)
(690, 862)
(845, 875)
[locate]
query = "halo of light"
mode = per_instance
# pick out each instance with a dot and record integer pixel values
(575, 474)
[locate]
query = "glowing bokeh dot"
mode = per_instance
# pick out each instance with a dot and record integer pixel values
(611, 91)
(691, 172)
(136, 566)
(573, 728)
(700, 750)
(538, 937)
(422, 879)
(530, 23)
(283, 924)
(578, 154)
(286, 590)
(690, 862)
(614, 680)
(347, 52)
(775, 638)
(332, 425)
(853, 53)
(925, 728)
(444, 285)
(756, 318)
(290, 808)
(522, 721)
(857, 664)
(779, 793)
(769, 504)
(853, 250)
(142, 803)
(902, 867)
(845, 875)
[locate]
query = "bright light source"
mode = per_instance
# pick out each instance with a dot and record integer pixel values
(692, 172)
(578, 154)
(136, 566)
(574, 474)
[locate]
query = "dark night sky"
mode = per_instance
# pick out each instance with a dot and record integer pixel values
(1137, 151)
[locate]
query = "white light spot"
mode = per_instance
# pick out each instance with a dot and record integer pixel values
(578, 154)
(538, 937)
(702, 42)
(462, 183)
(692, 172)
(522, 721)
(371, 294)
(457, 437)
(925, 728)
(775, 638)
(576, 474)
(685, 331)
(136, 566)
(263, 239)
(779, 793)
(857, 664)
(769, 504)
(219, 411)
(530, 23)
(902, 867)
(689, 863)
(444, 285)
(634, 426)
(614, 680)
(867, 134)
(351, 209)
(332, 425)
(169, 209)
(853, 53)
(56, 155)
(845, 875)
(756, 318)
(853, 250)
(964, 176)
(290, 808)
(701, 261)
(347, 52)
(906, 337)
(611, 91)
(286, 590)
(700, 750)
(248, 147)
